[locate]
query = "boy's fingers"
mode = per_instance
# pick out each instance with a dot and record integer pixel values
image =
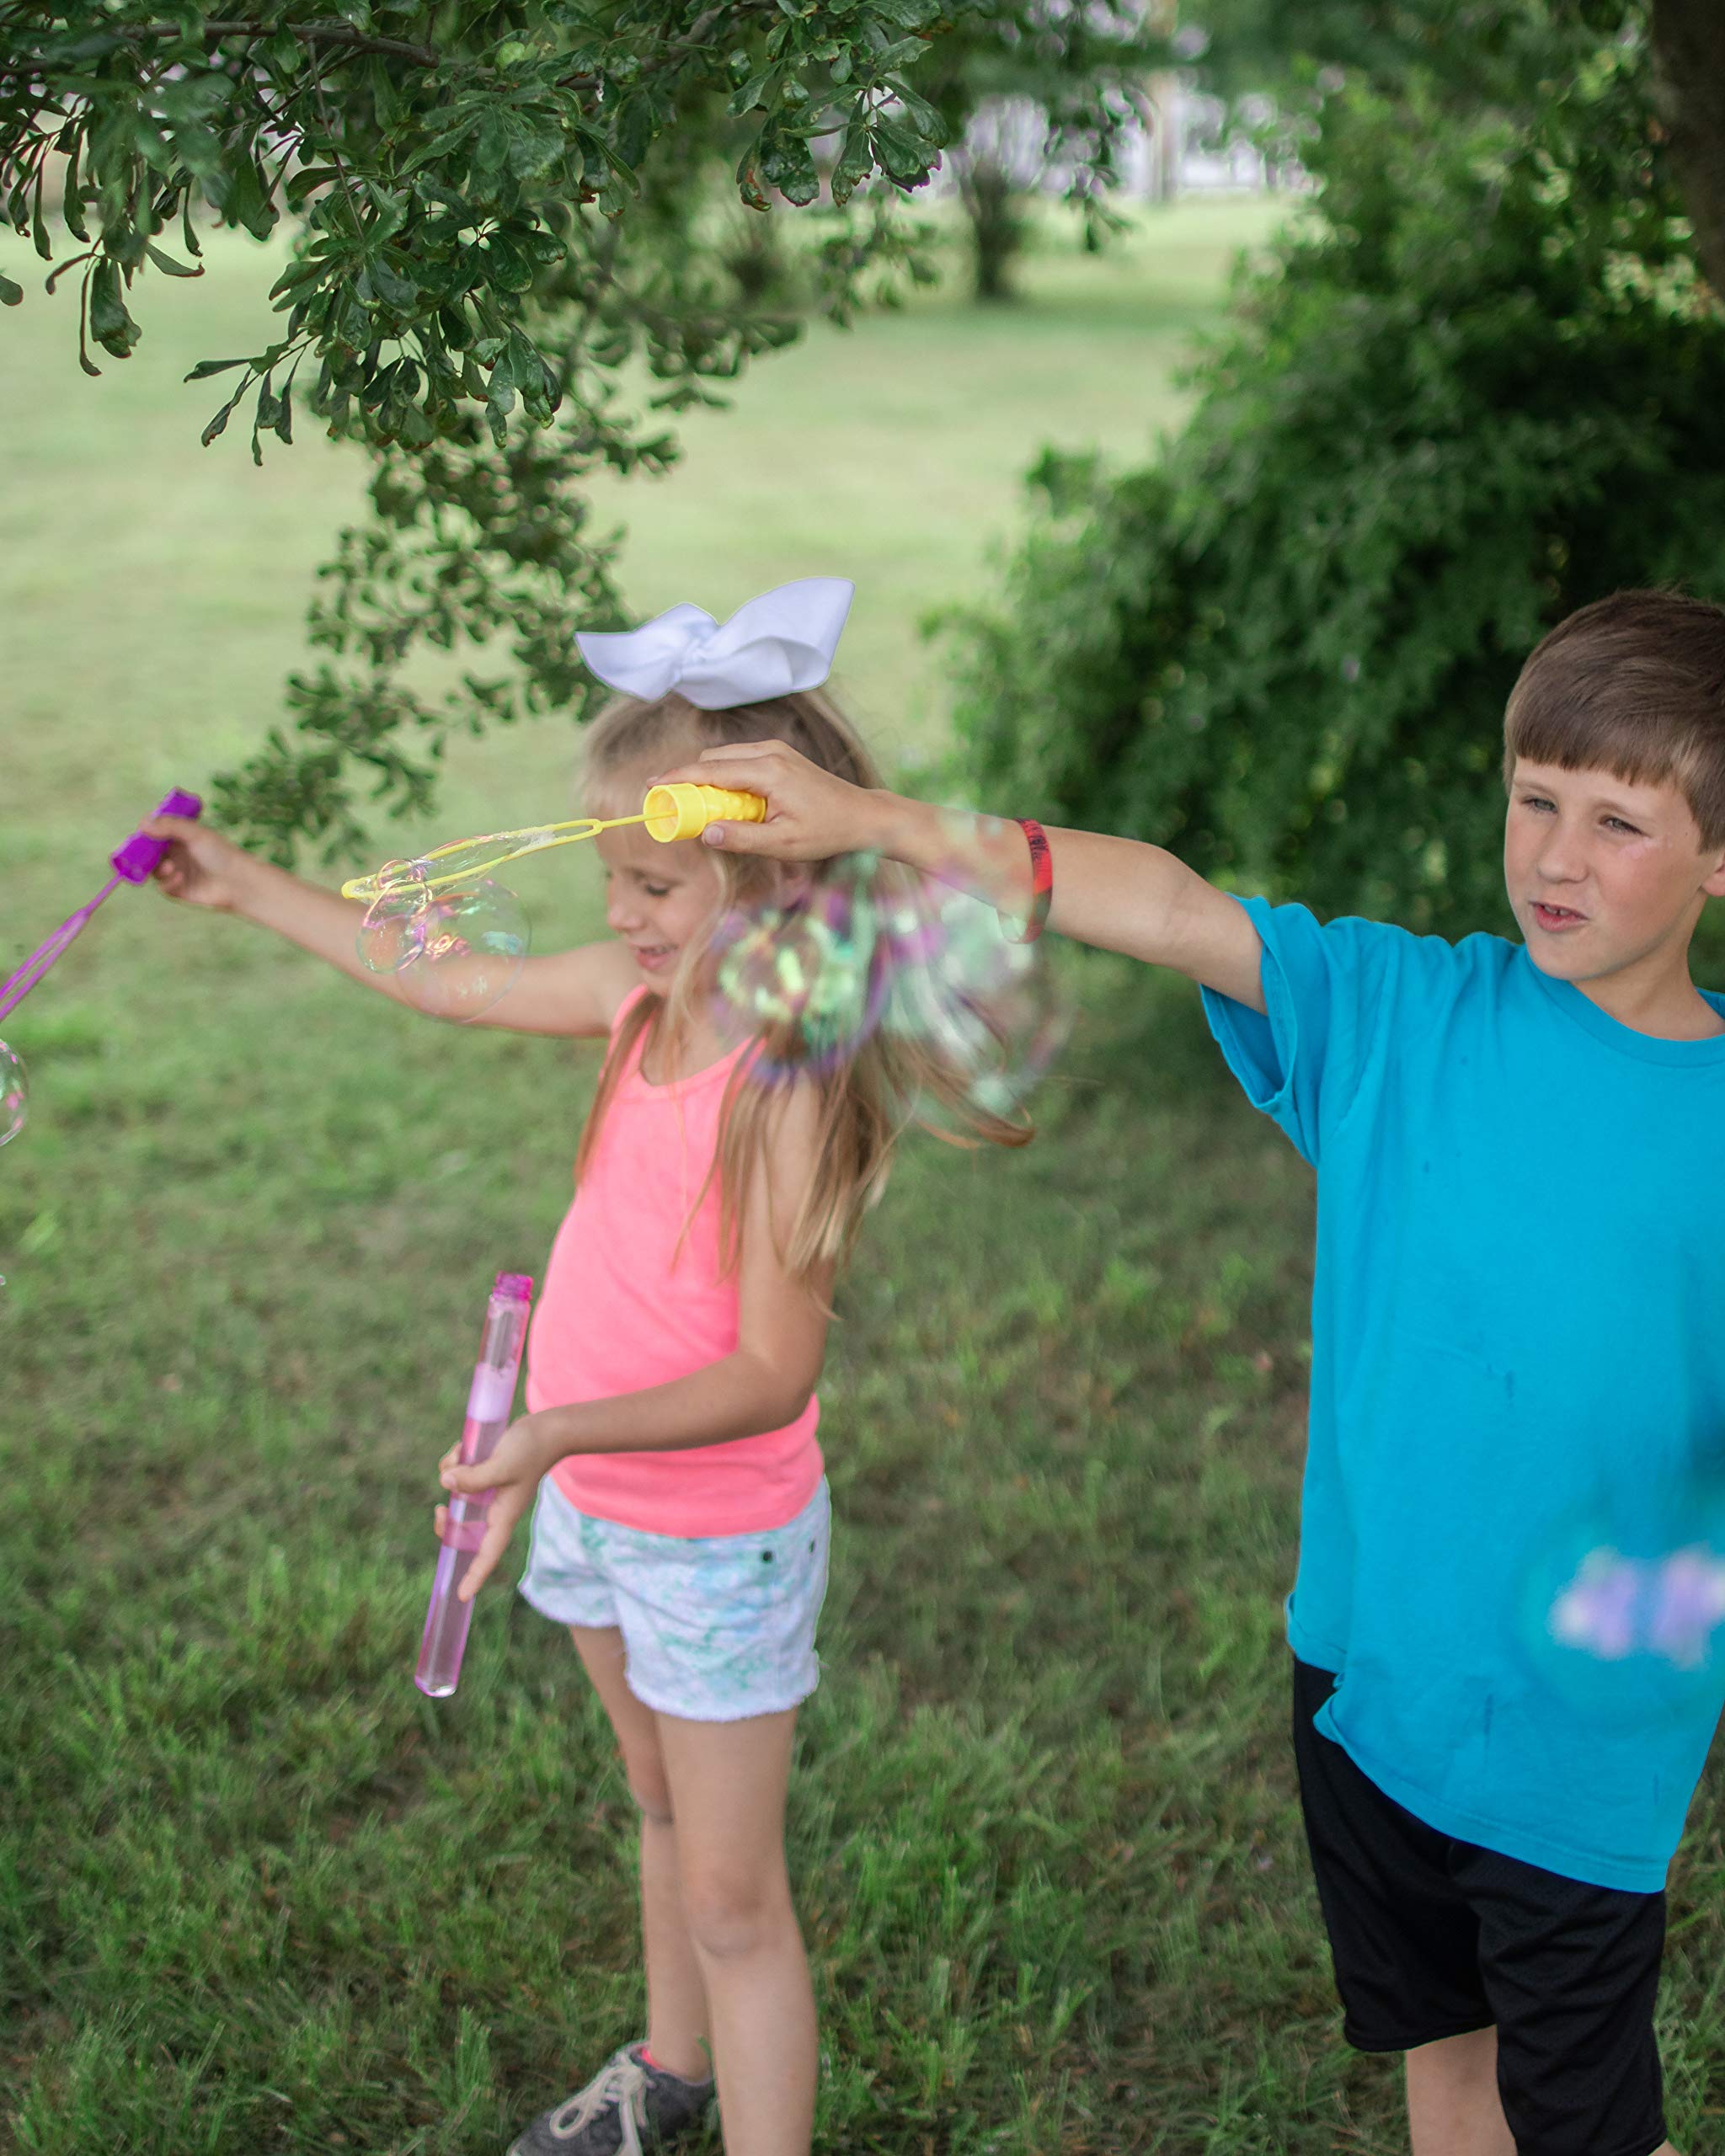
(742, 838)
(169, 827)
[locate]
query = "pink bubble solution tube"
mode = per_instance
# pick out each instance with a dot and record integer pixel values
(490, 1405)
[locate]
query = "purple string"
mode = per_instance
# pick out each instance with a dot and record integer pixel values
(18, 985)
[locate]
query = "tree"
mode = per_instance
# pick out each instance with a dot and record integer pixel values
(1034, 92)
(1482, 384)
(493, 209)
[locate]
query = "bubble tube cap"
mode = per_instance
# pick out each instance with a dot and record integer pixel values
(514, 1286)
(684, 811)
(138, 856)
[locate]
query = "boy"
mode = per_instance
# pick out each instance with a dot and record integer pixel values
(1518, 1334)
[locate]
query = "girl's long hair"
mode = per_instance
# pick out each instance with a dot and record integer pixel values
(866, 1097)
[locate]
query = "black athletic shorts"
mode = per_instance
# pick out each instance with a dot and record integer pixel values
(1432, 1937)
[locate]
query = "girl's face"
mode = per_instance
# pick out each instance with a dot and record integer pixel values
(659, 898)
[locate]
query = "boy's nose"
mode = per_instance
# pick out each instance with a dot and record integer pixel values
(1562, 859)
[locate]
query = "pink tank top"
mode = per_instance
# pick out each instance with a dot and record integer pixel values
(625, 1307)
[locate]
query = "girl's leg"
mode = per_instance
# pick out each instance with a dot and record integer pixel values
(676, 2002)
(727, 1783)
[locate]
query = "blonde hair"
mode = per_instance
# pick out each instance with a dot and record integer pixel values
(867, 1097)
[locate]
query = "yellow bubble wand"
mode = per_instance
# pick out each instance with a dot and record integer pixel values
(669, 813)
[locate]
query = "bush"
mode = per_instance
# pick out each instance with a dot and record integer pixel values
(1476, 386)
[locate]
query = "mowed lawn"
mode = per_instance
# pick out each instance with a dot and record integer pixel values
(256, 1894)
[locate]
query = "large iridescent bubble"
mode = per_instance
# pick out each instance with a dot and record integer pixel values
(916, 961)
(14, 1093)
(1625, 1617)
(454, 953)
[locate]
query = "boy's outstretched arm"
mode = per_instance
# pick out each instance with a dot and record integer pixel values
(573, 993)
(1116, 894)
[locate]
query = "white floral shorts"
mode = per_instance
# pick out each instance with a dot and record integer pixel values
(715, 1627)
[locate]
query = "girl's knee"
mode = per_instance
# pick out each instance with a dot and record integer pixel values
(652, 1798)
(731, 1914)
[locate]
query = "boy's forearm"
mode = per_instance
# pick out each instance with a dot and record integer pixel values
(1116, 894)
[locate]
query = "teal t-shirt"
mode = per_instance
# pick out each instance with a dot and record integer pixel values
(1518, 1384)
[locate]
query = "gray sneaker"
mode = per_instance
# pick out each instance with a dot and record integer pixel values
(627, 2108)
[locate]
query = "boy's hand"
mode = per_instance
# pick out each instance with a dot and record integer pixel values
(512, 1475)
(811, 815)
(201, 867)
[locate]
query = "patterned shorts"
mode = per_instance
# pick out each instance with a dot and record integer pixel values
(715, 1627)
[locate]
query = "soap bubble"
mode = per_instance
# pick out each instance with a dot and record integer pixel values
(983, 1003)
(458, 950)
(920, 962)
(391, 932)
(14, 1093)
(1625, 1623)
(469, 946)
(812, 976)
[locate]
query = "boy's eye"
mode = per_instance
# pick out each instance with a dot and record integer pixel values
(1617, 824)
(1534, 801)
(657, 890)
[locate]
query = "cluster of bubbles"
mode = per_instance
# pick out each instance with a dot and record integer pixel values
(1632, 1625)
(455, 949)
(920, 962)
(865, 950)
(14, 1093)
(1668, 1607)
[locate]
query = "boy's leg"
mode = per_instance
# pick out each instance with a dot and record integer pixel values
(1572, 1972)
(676, 2000)
(727, 1783)
(1453, 2105)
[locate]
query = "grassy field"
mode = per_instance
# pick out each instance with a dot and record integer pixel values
(256, 1894)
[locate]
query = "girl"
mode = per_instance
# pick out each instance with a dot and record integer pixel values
(679, 1524)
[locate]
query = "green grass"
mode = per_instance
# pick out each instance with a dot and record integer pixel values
(256, 1894)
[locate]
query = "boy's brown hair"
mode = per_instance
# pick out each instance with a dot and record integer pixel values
(1633, 685)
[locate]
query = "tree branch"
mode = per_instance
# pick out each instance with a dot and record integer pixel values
(313, 34)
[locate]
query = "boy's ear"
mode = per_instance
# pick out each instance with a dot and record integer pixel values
(1714, 884)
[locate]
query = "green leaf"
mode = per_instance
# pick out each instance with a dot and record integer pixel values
(167, 263)
(906, 157)
(11, 295)
(205, 368)
(928, 121)
(535, 143)
(220, 422)
(110, 325)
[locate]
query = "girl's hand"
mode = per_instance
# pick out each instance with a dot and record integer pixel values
(811, 815)
(201, 867)
(512, 1475)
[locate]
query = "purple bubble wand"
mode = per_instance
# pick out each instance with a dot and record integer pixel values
(490, 1404)
(132, 863)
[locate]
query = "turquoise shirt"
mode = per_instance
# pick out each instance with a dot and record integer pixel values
(1517, 1358)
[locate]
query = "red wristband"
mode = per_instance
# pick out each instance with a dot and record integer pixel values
(1042, 880)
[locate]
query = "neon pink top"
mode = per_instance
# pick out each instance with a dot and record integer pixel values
(624, 1308)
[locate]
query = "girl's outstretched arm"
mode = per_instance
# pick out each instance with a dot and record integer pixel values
(573, 993)
(1116, 894)
(763, 1384)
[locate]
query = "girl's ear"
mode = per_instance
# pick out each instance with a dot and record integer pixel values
(792, 882)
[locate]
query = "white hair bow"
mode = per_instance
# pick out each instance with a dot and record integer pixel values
(776, 645)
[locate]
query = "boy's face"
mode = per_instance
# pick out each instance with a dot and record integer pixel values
(1604, 877)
